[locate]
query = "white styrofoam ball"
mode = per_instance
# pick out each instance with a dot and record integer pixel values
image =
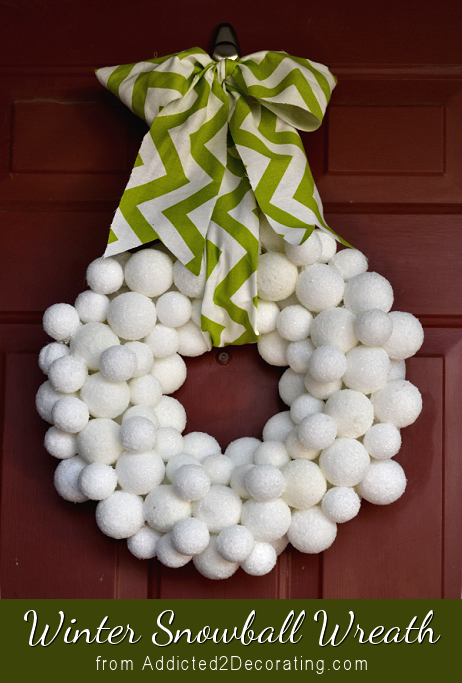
(297, 450)
(273, 348)
(189, 284)
(278, 426)
(305, 484)
(311, 531)
(334, 327)
(200, 445)
(266, 520)
(368, 290)
(50, 353)
(291, 385)
(349, 262)
(146, 390)
(120, 515)
(271, 453)
(140, 410)
(367, 369)
(169, 442)
(105, 275)
(140, 473)
(103, 398)
(235, 543)
(89, 342)
(294, 322)
(261, 560)
(397, 370)
(321, 390)
(298, 355)
(170, 371)
(190, 536)
(60, 444)
(303, 406)
(137, 434)
(163, 341)
(60, 321)
(163, 509)
(276, 276)
(280, 544)
(118, 363)
(192, 341)
(237, 480)
(99, 441)
(327, 364)
(267, 313)
(398, 402)
(66, 479)
(45, 399)
(382, 441)
(178, 461)
(190, 481)
(196, 311)
(70, 414)
(317, 431)
(174, 309)
(241, 451)
(345, 463)
(407, 336)
(268, 237)
(352, 411)
(328, 244)
(68, 374)
(373, 327)
(144, 357)
(221, 507)
(218, 467)
(319, 287)
(171, 413)
(340, 504)
(91, 306)
(212, 565)
(307, 253)
(384, 483)
(264, 482)
(98, 481)
(132, 315)
(143, 544)
(149, 272)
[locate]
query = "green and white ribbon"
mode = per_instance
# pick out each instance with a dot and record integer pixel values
(222, 147)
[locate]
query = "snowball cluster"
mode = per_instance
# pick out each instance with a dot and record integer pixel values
(117, 355)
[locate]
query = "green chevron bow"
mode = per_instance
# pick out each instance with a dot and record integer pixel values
(222, 142)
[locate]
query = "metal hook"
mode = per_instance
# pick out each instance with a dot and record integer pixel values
(226, 44)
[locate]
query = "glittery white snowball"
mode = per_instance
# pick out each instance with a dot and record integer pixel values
(264, 482)
(45, 399)
(70, 414)
(89, 342)
(349, 262)
(140, 473)
(191, 482)
(303, 406)
(174, 309)
(190, 536)
(221, 507)
(345, 463)
(271, 453)
(278, 426)
(311, 531)
(137, 434)
(218, 467)
(294, 322)
(143, 544)
(317, 431)
(406, 338)
(397, 370)
(273, 348)
(340, 504)
(146, 390)
(189, 284)
(383, 484)
(334, 327)
(327, 364)
(280, 544)
(367, 369)
(211, 564)
(352, 411)
(235, 543)
(169, 442)
(60, 321)
(171, 372)
(298, 355)
(237, 479)
(276, 276)
(266, 520)
(163, 341)
(291, 386)
(98, 481)
(398, 402)
(103, 398)
(50, 353)
(118, 363)
(267, 313)
(60, 444)
(105, 275)
(149, 272)
(120, 515)
(200, 445)
(261, 560)
(66, 479)
(144, 357)
(328, 244)
(241, 451)
(193, 342)
(269, 238)
(382, 441)
(99, 441)
(307, 253)
(92, 307)
(319, 287)
(132, 315)
(368, 290)
(68, 374)
(297, 450)
(305, 484)
(140, 410)
(178, 461)
(163, 509)
(321, 390)
(171, 413)
(373, 327)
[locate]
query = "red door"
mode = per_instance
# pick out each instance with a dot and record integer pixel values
(388, 165)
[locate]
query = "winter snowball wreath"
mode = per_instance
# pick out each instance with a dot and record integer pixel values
(117, 355)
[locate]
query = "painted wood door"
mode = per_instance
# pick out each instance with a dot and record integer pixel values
(388, 164)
